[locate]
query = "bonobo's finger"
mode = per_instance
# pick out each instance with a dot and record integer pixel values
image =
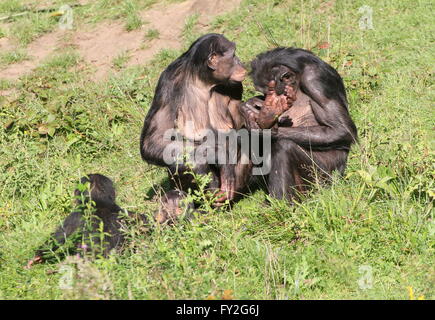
(270, 94)
(221, 197)
(270, 90)
(271, 87)
(290, 93)
(31, 262)
(249, 107)
(271, 101)
(283, 103)
(285, 121)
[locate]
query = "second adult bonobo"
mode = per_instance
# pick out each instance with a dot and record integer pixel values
(199, 91)
(305, 104)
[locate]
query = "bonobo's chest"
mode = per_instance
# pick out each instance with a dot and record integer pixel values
(219, 112)
(196, 116)
(301, 112)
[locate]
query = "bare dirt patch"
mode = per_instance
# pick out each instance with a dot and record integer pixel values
(170, 20)
(38, 50)
(99, 46)
(6, 45)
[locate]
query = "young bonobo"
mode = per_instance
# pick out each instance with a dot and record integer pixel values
(102, 228)
(198, 92)
(305, 104)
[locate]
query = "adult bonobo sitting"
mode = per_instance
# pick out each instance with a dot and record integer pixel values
(200, 91)
(306, 107)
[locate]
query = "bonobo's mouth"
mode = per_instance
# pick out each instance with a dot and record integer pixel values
(240, 76)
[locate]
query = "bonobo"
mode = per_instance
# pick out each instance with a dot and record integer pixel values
(197, 94)
(305, 105)
(100, 230)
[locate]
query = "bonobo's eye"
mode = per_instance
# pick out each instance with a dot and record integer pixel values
(285, 76)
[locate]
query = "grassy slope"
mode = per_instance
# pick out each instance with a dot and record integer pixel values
(380, 215)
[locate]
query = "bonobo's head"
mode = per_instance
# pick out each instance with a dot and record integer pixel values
(275, 65)
(102, 191)
(214, 60)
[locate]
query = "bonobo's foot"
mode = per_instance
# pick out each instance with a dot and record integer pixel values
(34, 260)
(227, 190)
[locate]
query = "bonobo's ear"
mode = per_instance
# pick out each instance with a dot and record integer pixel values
(212, 61)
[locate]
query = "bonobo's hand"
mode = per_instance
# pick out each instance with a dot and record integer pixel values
(250, 112)
(285, 121)
(279, 103)
(274, 105)
(263, 114)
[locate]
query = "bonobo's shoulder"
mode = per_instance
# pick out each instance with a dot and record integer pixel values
(233, 90)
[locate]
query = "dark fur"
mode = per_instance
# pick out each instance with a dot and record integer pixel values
(320, 133)
(298, 60)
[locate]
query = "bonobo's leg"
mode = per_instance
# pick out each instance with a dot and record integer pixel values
(294, 168)
(233, 185)
(243, 175)
(281, 179)
(234, 177)
(71, 224)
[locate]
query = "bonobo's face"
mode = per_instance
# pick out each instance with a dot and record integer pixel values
(227, 67)
(283, 77)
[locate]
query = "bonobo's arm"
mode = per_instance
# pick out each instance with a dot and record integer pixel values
(73, 222)
(153, 140)
(335, 129)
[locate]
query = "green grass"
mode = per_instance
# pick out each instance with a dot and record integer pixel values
(152, 34)
(120, 60)
(133, 20)
(190, 32)
(380, 215)
(10, 6)
(24, 29)
(13, 57)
